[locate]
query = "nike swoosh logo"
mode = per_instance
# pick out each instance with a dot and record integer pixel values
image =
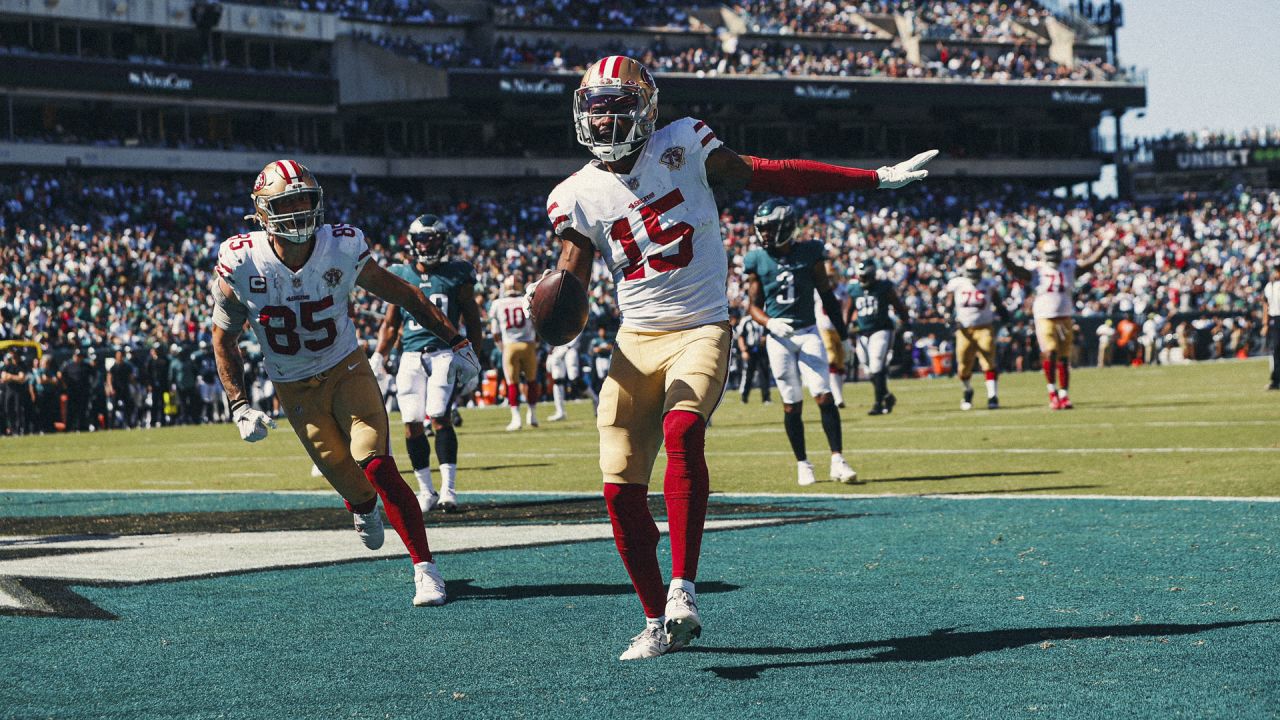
(352, 367)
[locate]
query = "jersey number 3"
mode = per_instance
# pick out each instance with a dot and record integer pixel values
(651, 216)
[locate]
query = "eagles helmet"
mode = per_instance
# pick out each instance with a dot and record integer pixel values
(866, 270)
(775, 223)
(429, 240)
(287, 201)
(620, 88)
(973, 268)
(1051, 251)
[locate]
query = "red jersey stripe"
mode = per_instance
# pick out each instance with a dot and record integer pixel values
(709, 137)
(698, 126)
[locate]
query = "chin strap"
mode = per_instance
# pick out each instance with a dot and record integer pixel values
(806, 177)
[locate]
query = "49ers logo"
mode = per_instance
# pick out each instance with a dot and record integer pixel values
(673, 158)
(261, 182)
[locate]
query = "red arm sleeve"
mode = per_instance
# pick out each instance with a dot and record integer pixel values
(806, 177)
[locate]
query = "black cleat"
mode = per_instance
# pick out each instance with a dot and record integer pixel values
(876, 409)
(456, 417)
(993, 403)
(889, 402)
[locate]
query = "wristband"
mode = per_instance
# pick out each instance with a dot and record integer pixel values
(238, 404)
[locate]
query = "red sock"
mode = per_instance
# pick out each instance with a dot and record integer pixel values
(636, 536)
(364, 507)
(401, 505)
(686, 487)
(1064, 374)
(513, 394)
(1048, 370)
(991, 374)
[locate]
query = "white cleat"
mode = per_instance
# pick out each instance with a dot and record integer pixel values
(428, 585)
(557, 417)
(514, 425)
(651, 642)
(369, 528)
(448, 500)
(966, 405)
(804, 471)
(683, 622)
(530, 419)
(428, 501)
(841, 472)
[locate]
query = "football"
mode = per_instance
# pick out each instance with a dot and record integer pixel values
(559, 307)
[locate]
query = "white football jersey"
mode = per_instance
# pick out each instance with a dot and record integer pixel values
(513, 320)
(975, 302)
(658, 229)
(841, 291)
(1054, 286)
(300, 318)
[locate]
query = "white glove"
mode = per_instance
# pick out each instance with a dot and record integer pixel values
(779, 328)
(906, 172)
(251, 423)
(379, 364)
(465, 368)
(528, 292)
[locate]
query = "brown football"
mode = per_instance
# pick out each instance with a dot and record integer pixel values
(559, 307)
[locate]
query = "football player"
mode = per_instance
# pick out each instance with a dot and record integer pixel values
(564, 363)
(1054, 279)
(425, 385)
(975, 300)
(782, 279)
(647, 205)
(519, 350)
(833, 342)
(869, 301)
(292, 282)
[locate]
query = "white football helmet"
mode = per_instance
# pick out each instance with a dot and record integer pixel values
(620, 88)
(288, 202)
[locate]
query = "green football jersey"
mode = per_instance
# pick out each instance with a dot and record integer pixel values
(442, 287)
(787, 282)
(871, 305)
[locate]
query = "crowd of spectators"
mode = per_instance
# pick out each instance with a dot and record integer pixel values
(986, 20)
(109, 274)
(1207, 139)
(593, 14)
(415, 12)
(443, 54)
(1019, 61)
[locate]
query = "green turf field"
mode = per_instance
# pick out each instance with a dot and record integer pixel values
(124, 594)
(1205, 429)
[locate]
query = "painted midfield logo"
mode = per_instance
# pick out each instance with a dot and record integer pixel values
(42, 558)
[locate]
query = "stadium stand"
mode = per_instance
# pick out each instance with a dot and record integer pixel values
(101, 264)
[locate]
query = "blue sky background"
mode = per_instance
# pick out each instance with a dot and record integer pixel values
(1210, 64)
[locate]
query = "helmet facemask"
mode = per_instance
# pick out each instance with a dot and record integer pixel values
(866, 271)
(296, 226)
(973, 269)
(633, 118)
(429, 240)
(774, 224)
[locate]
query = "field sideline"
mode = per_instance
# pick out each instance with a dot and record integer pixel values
(1195, 430)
